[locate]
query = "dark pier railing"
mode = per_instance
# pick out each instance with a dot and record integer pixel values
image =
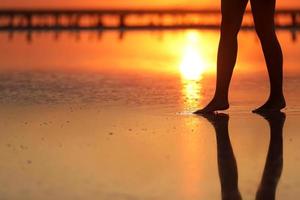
(52, 19)
(30, 20)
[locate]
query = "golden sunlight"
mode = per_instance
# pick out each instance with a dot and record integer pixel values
(192, 93)
(192, 64)
(192, 67)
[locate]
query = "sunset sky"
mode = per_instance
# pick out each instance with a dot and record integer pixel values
(126, 3)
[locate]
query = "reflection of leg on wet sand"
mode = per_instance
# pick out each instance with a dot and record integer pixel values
(226, 161)
(274, 161)
(227, 164)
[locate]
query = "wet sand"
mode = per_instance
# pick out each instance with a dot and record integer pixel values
(127, 148)
(131, 135)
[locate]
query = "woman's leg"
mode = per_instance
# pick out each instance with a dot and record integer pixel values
(263, 14)
(274, 161)
(232, 16)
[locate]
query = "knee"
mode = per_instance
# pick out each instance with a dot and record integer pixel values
(265, 32)
(229, 30)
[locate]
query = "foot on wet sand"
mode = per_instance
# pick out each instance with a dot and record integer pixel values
(213, 106)
(271, 106)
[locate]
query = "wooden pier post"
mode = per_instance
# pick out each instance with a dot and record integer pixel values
(28, 19)
(11, 21)
(57, 21)
(99, 21)
(122, 21)
(294, 19)
(294, 25)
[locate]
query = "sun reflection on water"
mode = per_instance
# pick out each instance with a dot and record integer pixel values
(191, 93)
(194, 63)
(192, 67)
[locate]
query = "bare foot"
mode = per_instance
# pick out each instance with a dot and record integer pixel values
(272, 105)
(213, 106)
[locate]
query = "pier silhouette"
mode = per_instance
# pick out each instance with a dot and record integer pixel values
(58, 20)
(51, 19)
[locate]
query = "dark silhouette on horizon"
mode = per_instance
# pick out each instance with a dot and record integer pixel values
(228, 171)
(93, 19)
(232, 16)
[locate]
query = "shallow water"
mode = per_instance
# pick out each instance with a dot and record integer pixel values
(88, 116)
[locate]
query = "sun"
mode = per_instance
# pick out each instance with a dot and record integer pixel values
(192, 65)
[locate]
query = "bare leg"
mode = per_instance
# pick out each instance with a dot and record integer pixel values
(232, 16)
(226, 160)
(263, 14)
(274, 161)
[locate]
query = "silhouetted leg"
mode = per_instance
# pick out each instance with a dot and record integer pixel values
(232, 16)
(263, 14)
(274, 161)
(226, 160)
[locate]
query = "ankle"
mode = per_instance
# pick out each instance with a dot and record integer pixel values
(219, 98)
(276, 97)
